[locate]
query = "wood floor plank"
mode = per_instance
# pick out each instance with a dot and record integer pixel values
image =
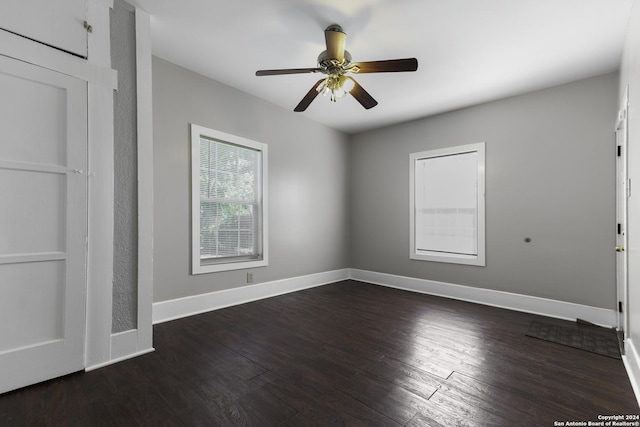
(418, 381)
(327, 409)
(434, 416)
(297, 369)
(510, 406)
(347, 353)
(392, 400)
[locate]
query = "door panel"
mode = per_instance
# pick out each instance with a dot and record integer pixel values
(43, 223)
(37, 299)
(33, 209)
(57, 23)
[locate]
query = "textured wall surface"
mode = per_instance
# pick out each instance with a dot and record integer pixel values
(549, 176)
(125, 251)
(307, 173)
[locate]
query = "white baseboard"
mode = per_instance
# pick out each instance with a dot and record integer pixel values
(511, 301)
(631, 361)
(164, 311)
(124, 345)
(121, 359)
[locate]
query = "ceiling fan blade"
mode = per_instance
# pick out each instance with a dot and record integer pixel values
(362, 96)
(308, 98)
(388, 66)
(336, 40)
(287, 71)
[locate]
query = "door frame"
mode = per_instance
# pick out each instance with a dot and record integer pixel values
(101, 82)
(622, 195)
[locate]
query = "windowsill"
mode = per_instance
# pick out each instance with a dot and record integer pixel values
(228, 266)
(449, 258)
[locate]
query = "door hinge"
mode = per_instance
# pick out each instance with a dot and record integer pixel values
(619, 306)
(622, 114)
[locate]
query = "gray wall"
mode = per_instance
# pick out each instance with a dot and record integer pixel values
(630, 75)
(549, 176)
(308, 188)
(339, 201)
(125, 250)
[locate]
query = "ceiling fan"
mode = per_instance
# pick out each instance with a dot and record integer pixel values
(335, 62)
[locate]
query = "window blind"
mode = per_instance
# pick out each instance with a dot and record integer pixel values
(446, 203)
(229, 200)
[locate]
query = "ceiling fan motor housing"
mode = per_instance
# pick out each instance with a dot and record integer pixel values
(330, 64)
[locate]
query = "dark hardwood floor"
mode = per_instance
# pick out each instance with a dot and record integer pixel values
(348, 354)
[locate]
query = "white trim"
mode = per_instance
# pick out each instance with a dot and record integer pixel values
(631, 361)
(32, 257)
(508, 300)
(107, 348)
(26, 50)
(622, 213)
(36, 167)
(197, 132)
(123, 358)
(101, 199)
(145, 179)
(124, 344)
(164, 311)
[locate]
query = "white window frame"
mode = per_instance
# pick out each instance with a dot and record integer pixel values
(231, 263)
(425, 255)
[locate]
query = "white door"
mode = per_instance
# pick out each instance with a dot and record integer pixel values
(622, 193)
(43, 223)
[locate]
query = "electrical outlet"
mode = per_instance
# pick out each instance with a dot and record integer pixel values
(249, 277)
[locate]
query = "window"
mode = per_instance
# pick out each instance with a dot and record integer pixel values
(229, 201)
(447, 205)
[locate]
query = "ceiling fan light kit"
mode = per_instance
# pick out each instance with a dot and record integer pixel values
(336, 86)
(335, 62)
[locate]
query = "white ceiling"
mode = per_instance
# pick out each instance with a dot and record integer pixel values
(469, 51)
